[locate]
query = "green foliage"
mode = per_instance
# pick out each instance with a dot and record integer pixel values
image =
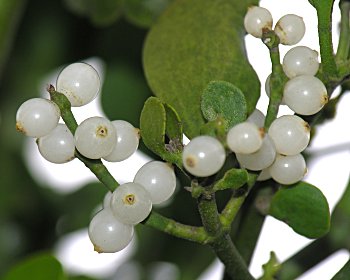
(225, 101)
(303, 207)
(100, 12)
(233, 179)
(144, 12)
(271, 268)
(42, 266)
(209, 47)
(155, 126)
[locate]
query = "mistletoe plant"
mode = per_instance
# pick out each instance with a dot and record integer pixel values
(195, 63)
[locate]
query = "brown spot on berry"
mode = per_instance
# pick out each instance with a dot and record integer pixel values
(129, 199)
(20, 128)
(191, 161)
(102, 131)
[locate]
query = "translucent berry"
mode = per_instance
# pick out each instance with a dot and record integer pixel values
(288, 170)
(131, 203)
(95, 137)
(107, 200)
(245, 138)
(256, 20)
(290, 29)
(37, 117)
(158, 178)
(203, 156)
(261, 159)
(107, 234)
(57, 146)
(305, 95)
(257, 118)
(80, 82)
(264, 175)
(290, 134)
(127, 141)
(300, 60)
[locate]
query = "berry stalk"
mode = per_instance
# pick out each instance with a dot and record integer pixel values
(221, 242)
(277, 80)
(96, 166)
(324, 16)
(344, 36)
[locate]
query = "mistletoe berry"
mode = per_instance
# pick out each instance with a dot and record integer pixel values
(80, 82)
(95, 137)
(37, 117)
(107, 234)
(290, 29)
(131, 203)
(57, 146)
(203, 156)
(256, 20)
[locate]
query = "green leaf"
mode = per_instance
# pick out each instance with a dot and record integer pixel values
(42, 266)
(233, 179)
(144, 12)
(173, 124)
(100, 12)
(154, 125)
(223, 100)
(195, 42)
(304, 208)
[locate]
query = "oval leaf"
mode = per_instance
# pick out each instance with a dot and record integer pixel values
(38, 267)
(233, 179)
(223, 100)
(303, 207)
(195, 42)
(154, 126)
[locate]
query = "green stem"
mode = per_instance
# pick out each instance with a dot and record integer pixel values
(277, 78)
(344, 36)
(229, 213)
(324, 15)
(191, 233)
(221, 242)
(96, 166)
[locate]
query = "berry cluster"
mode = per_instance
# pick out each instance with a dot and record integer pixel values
(112, 228)
(277, 153)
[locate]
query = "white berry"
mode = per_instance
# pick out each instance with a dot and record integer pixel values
(57, 146)
(261, 159)
(80, 82)
(37, 117)
(290, 29)
(203, 156)
(288, 170)
(305, 95)
(264, 175)
(158, 178)
(300, 60)
(107, 234)
(256, 20)
(107, 200)
(95, 137)
(257, 118)
(290, 134)
(245, 138)
(127, 141)
(131, 203)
